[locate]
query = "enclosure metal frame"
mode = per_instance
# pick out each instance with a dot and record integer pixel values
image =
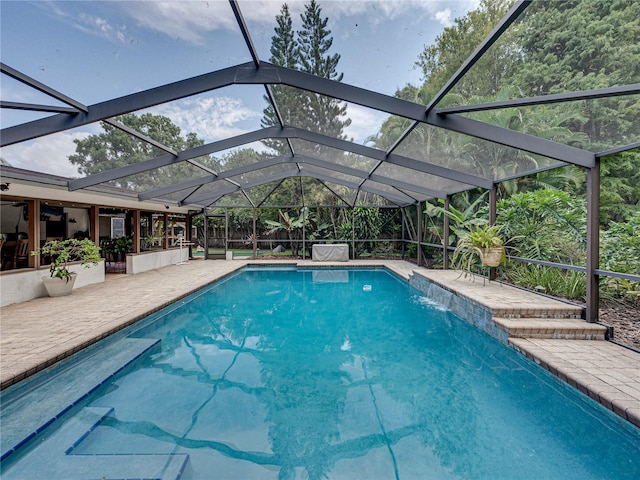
(258, 72)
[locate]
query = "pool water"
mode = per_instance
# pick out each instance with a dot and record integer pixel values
(326, 374)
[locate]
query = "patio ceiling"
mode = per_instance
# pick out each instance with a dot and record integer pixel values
(407, 172)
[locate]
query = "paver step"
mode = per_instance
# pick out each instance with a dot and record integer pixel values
(562, 328)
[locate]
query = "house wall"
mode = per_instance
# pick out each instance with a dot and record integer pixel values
(20, 286)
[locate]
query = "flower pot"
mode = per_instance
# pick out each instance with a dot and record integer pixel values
(58, 287)
(491, 257)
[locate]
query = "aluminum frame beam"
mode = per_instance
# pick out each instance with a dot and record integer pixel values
(613, 151)
(125, 104)
(493, 36)
(416, 112)
(276, 132)
(165, 160)
(33, 83)
(140, 136)
(395, 159)
(245, 32)
(268, 73)
(298, 160)
(33, 107)
(232, 188)
(198, 182)
(324, 165)
(210, 198)
(609, 92)
(511, 138)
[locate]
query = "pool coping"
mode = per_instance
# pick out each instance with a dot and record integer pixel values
(39, 333)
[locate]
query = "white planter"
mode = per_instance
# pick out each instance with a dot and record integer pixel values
(58, 287)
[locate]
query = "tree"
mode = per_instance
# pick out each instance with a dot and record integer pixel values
(293, 226)
(115, 148)
(325, 114)
(547, 225)
(309, 53)
(285, 52)
(579, 45)
(315, 42)
(620, 187)
(442, 59)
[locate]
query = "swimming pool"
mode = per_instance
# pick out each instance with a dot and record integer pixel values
(312, 373)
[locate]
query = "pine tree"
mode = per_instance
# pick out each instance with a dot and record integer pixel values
(284, 52)
(284, 47)
(315, 42)
(323, 114)
(309, 52)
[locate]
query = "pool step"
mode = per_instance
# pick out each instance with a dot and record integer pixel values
(561, 328)
(33, 411)
(61, 461)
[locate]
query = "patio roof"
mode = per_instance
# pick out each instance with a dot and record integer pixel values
(416, 167)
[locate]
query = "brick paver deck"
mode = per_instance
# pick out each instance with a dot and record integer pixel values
(38, 333)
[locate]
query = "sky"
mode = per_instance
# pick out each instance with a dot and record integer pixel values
(93, 51)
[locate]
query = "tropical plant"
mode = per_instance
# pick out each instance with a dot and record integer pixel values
(545, 224)
(552, 281)
(462, 220)
(62, 252)
(473, 247)
(123, 245)
(293, 226)
(620, 252)
(288, 224)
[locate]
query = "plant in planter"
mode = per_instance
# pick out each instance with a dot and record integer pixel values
(122, 246)
(61, 252)
(483, 245)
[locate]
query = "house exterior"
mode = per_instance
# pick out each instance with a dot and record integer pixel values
(36, 207)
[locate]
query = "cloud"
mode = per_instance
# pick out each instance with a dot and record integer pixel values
(391, 9)
(191, 21)
(211, 118)
(46, 154)
(188, 21)
(444, 17)
(365, 122)
(100, 27)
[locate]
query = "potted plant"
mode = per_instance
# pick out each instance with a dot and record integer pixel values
(482, 243)
(122, 246)
(61, 252)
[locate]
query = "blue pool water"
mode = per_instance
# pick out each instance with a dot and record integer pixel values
(317, 374)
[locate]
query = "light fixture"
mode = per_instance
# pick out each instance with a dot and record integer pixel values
(4, 186)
